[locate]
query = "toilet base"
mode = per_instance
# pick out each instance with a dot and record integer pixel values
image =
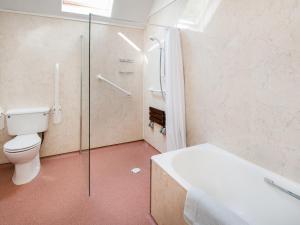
(26, 172)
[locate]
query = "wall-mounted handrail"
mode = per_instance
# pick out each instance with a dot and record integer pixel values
(272, 183)
(100, 77)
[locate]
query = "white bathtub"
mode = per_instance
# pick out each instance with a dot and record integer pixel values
(234, 182)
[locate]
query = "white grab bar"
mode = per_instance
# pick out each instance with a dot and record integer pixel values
(100, 77)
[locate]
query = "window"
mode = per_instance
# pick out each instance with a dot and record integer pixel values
(98, 7)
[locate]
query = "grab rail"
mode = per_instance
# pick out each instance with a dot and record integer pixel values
(272, 183)
(100, 77)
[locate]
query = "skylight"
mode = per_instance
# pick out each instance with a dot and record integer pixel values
(98, 7)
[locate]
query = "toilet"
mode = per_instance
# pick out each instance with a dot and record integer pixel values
(23, 150)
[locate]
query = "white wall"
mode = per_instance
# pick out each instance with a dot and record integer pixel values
(242, 82)
(168, 16)
(158, 5)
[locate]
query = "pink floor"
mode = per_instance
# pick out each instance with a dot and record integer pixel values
(59, 195)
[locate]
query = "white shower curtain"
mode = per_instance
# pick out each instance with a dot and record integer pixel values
(175, 103)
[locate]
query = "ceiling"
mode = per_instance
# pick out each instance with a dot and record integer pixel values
(133, 11)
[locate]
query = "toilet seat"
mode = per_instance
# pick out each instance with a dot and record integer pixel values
(22, 143)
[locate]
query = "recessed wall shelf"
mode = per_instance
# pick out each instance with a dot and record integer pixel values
(125, 73)
(127, 60)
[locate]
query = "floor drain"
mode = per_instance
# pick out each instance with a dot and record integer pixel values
(136, 170)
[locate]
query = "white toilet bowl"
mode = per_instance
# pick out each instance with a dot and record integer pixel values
(23, 152)
(23, 149)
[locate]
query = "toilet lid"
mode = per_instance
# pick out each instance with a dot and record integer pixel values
(22, 142)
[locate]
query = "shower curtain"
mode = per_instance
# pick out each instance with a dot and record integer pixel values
(175, 102)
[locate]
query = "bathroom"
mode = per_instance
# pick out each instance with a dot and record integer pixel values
(133, 112)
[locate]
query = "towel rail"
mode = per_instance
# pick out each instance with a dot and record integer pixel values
(272, 183)
(100, 77)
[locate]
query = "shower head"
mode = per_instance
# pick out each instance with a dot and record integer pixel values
(153, 38)
(156, 40)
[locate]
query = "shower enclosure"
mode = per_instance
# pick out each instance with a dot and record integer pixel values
(93, 72)
(98, 68)
(112, 89)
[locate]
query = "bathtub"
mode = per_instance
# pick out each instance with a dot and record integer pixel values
(234, 182)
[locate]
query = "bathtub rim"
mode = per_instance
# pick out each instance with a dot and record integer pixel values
(165, 161)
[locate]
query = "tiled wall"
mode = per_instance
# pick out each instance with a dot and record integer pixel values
(30, 47)
(242, 82)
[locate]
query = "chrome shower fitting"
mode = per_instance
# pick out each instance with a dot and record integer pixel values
(163, 131)
(156, 39)
(151, 124)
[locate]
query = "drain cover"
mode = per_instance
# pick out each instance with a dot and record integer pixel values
(136, 170)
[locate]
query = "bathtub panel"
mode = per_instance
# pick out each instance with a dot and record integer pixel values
(167, 198)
